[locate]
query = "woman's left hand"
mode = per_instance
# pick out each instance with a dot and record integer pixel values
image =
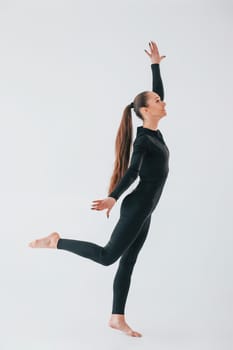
(154, 54)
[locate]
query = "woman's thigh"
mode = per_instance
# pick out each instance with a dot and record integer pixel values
(137, 204)
(132, 218)
(131, 253)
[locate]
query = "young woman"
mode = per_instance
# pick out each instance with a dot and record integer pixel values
(150, 159)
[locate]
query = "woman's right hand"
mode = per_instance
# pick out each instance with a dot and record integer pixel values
(101, 204)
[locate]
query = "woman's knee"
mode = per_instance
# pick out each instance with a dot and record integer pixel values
(128, 260)
(108, 258)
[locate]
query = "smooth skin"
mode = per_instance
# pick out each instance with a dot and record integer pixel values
(151, 114)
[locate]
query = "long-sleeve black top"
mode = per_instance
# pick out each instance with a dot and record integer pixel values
(150, 154)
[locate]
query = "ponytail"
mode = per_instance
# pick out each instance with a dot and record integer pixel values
(122, 147)
(124, 138)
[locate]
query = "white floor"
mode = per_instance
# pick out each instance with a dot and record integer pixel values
(39, 312)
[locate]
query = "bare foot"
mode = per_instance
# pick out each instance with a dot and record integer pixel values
(46, 242)
(117, 321)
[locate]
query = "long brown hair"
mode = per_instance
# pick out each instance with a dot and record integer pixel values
(124, 139)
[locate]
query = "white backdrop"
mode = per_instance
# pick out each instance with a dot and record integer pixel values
(68, 69)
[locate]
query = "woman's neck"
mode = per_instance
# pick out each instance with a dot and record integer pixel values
(152, 126)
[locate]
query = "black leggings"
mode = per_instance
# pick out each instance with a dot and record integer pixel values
(126, 241)
(122, 242)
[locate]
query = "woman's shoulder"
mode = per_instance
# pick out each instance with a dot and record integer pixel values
(141, 141)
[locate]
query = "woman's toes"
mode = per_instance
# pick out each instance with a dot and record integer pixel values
(31, 244)
(137, 334)
(134, 333)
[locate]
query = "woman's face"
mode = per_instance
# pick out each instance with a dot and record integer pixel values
(156, 107)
